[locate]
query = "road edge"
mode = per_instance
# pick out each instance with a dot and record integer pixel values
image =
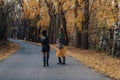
(14, 49)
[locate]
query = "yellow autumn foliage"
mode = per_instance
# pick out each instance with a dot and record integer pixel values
(31, 9)
(102, 11)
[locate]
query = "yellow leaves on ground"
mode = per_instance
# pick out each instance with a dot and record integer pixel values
(98, 61)
(8, 50)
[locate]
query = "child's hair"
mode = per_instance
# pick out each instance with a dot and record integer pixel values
(44, 32)
(60, 30)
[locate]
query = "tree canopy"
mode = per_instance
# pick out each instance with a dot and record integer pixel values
(87, 24)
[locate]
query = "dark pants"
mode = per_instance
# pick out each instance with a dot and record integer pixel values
(45, 59)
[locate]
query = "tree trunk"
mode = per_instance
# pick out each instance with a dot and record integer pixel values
(64, 28)
(54, 25)
(77, 38)
(51, 32)
(84, 33)
(57, 20)
(3, 25)
(77, 32)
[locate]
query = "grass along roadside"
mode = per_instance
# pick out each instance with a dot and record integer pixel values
(6, 51)
(97, 61)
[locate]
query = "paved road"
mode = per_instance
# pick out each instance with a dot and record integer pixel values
(26, 64)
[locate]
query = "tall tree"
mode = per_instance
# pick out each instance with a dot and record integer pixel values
(3, 24)
(77, 31)
(84, 32)
(57, 19)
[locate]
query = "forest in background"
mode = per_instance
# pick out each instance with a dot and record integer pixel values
(87, 24)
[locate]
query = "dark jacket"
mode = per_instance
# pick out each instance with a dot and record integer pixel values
(45, 44)
(61, 38)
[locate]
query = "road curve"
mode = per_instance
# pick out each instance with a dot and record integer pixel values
(26, 64)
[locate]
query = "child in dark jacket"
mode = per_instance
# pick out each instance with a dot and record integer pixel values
(45, 48)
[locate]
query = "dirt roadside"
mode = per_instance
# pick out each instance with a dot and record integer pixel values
(97, 61)
(6, 51)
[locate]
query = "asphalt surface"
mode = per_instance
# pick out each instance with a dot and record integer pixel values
(26, 64)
